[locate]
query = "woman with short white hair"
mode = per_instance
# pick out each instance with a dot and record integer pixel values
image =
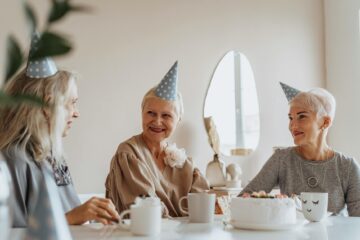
(147, 164)
(311, 165)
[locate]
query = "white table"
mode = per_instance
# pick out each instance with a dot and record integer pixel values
(332, 228)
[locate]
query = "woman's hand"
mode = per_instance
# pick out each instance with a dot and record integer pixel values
(98, 209)
(246, 195)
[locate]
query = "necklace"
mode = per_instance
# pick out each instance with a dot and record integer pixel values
(314, 181)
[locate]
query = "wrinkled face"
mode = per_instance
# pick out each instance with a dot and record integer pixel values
(159, 119)
(304, 125)
(71, 111)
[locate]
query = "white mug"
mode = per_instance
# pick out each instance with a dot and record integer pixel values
(201, 207)
(314, 205)
(145, 218)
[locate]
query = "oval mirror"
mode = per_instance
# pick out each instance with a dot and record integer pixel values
(231, 109)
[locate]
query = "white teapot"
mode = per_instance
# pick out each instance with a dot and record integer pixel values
(145, 217)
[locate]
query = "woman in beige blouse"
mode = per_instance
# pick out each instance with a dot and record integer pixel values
(147, 164)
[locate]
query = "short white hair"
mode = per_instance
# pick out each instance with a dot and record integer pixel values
(317, 100)
(178, 102)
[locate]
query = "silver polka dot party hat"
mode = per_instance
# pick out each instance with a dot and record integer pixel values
(167, 88)
(42, 67)
(290, 92)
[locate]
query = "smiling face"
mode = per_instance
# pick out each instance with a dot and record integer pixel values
(159, 119)
(305, 126)
(71, 110)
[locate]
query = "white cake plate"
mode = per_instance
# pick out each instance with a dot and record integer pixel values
(267, 227)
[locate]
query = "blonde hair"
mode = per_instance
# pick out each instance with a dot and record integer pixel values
(178, 103)
(317, 100)
(26, 127)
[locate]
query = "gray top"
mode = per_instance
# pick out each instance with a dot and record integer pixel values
(26, 177)
(339, 176)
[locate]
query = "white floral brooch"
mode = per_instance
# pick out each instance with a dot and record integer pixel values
(174, 157)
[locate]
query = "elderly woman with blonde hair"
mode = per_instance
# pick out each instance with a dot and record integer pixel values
(31, 136)
(312, 165)
(147, 164)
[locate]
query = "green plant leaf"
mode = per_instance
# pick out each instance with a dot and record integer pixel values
(80, 8)
(30, 17)
(6, 100)
(28, 99)
(60, 8)
(14, 57)
(51, 44)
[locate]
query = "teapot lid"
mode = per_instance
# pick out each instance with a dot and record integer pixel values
(147, 201)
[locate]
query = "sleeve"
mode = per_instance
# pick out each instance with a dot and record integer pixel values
(352, 197)
(25, 181)
(267, 178)
(199, 183)
(128, 178)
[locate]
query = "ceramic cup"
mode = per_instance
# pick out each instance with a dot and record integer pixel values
(314, 205)
(201, 207)
(145, 218)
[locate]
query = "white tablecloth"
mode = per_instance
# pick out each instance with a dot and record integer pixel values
(334, 227)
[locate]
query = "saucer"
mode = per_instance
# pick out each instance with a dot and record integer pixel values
(267, 227)
(169, 224)
(185, 219)
(166, 224)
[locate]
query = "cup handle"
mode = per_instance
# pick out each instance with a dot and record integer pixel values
(298, 206)
(183, 210)
(121, 220)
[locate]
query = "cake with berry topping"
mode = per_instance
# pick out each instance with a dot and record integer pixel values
(262, 208)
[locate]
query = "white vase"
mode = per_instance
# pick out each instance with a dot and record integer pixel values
(215, 172)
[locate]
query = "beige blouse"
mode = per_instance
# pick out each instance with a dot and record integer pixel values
(133, 172)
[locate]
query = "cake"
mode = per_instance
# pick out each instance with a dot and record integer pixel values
(263, 209)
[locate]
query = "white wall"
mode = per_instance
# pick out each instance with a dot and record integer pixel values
(125, 47)
(343, 72)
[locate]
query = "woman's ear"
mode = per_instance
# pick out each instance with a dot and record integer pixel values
(326, 123)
